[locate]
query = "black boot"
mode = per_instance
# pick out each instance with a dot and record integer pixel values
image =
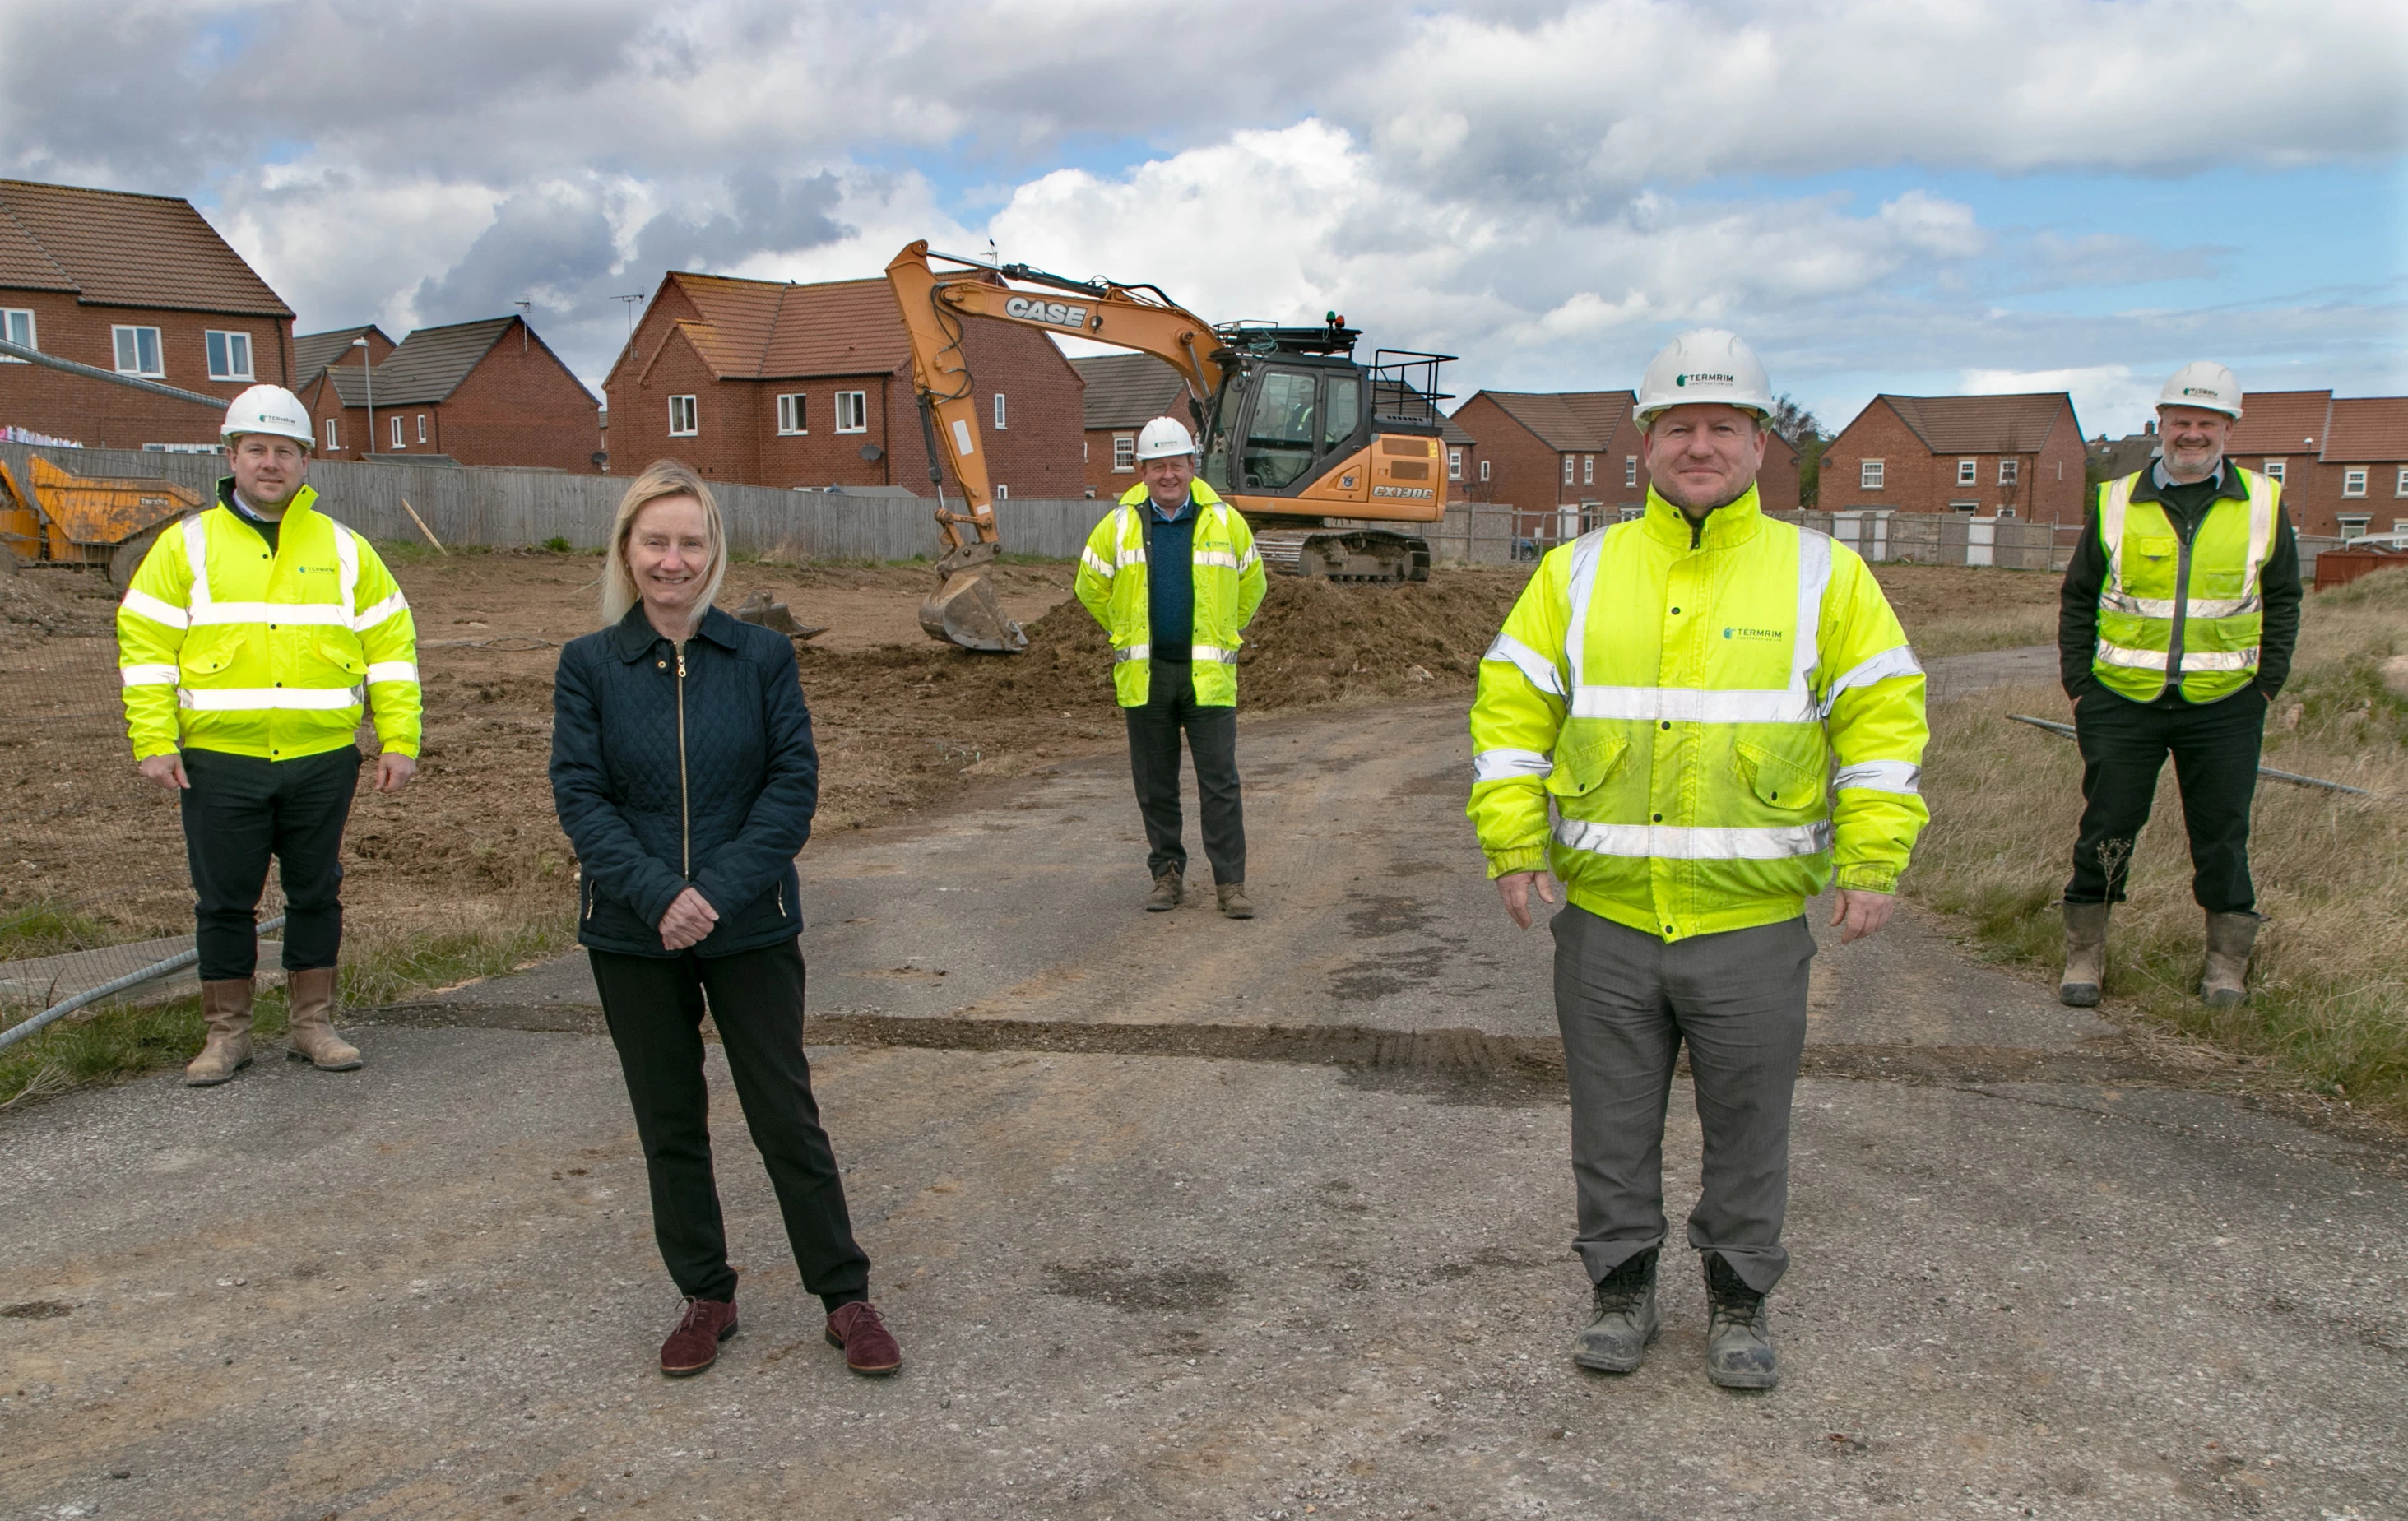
(1739, 1339)
(1617, 1338)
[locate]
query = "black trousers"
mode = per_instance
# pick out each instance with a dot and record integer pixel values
(1153, 731)
(2124, 746)
(240, 810)
(654, 1007)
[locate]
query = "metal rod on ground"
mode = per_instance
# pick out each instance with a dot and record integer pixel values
(2292, 777)
(59, 1011)
(423, 527)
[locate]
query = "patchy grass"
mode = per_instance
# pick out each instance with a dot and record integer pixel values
(1993, 628)
(49, 929)
(2328, 1004)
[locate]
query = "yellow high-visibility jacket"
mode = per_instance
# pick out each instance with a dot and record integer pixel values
(1229, 588)
(222, 646)
(1681, 705)
(2202, 598)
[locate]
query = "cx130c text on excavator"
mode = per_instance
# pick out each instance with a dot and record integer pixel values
(1318, 451)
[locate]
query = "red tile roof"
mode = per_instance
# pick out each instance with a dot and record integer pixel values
(2368, 430)
(1129, 390)
(2281, 422)
(762, 329)
(2010, 424)
(115, 249)
(1570, 422)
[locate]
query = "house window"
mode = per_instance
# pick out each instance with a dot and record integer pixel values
(2005, 512)
(1588, 469)
(2354, 527)
(1483, 471)
(2274, 471)
(1630, 469)
(852, 411)
(1632, 514)
(137, 351)
(790, 413)
(1002, 493)
(396, 432)
(1968, 472)
(229, 356)
(17, 326)
(1454, 465)
(999, 423)
(2353, 483)
(2402, 489)
(1568, 470)
(1123, 452)
(422, 427)
(1968, 508)
(333, 439)
(2007, 470)
(684, 420)
(1869, 474)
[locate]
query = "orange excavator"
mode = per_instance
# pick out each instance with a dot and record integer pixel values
(1320, 452)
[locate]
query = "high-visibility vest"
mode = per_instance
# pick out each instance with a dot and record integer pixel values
(2202, 598)
(1680, 709)
(222, 646)
(1228, 581)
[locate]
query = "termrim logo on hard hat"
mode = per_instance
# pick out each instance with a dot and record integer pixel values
(2201, 391)
(1705, 377)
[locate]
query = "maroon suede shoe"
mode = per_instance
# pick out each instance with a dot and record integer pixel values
(869, 1347)
(695, 1344)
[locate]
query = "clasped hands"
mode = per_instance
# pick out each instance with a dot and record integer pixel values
(689, 919)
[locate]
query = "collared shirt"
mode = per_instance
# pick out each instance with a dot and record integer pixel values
(267, 526)
(1171, 578)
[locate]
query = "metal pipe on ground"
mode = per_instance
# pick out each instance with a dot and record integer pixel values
(2292, 777)
(93, 372)
(65, 1007)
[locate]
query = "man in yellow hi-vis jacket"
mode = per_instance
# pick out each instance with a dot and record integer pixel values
(250, 642)
(1659, 723)
(1173, 574)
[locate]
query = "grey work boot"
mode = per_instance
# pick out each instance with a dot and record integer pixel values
(312, 1038)
(1235, 904)
(1625, 1322)
(226, 1005)
(1739, 1339)
(1170, 891)
(2086, 954)
(2225, 980)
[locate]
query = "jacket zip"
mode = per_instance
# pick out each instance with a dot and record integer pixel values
(2182, 597)
(782, 900)
(686, 808)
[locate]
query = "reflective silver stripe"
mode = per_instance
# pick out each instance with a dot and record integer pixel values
(2261, 528)
(1133, 651)
(2111, 530)
(268, 612)
(2163, 606)
(1249, 560)
(1813, 579)
(383, 610)
(1670, 842)
(1898, 660)
(346, 563)
(392, 671)
(1881, 776)
(1541, 671)
(228, 699)
(1212, 651)
(1695, 705)
(147, 675)
(1585, 551)
(1221, 558)
(1096, 563)
(2220, 659)
(157, 611)
(1491, 765)
(197, 558)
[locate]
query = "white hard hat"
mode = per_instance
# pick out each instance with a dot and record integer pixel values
(268, 408)
(1703, 365)
(1163, 438)
(2206, 384)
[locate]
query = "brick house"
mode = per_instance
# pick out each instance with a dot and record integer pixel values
(1124, 392)
(1569, 460)
(2343, 460)
(312, 353)
(139, 284)
(781, 384)
(481, 392)
(2014, 456)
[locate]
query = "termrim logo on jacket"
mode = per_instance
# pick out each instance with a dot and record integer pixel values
(2171, 610)
(223, 646)
(1660, 718)
(1228, 579)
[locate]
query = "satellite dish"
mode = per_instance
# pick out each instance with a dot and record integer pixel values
(872, 452)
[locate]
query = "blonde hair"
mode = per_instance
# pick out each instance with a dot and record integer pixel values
(665, 479)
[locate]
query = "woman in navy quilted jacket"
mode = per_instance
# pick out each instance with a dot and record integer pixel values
(682, 766)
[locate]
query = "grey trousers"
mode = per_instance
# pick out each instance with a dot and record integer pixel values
(1627, 1000)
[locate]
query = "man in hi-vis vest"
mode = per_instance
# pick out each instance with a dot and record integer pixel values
(251, 641)
(2175, 632)
(1698, 720)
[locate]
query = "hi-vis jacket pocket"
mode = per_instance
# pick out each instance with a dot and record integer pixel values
(1784, 781)
(1582, 765)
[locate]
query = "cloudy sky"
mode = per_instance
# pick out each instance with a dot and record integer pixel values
(1913, 195)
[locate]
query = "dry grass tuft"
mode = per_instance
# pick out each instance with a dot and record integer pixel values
(2332, 871)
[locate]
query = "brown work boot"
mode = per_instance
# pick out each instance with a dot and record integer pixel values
(1170, 891)
(2086, 954)
(2225, 980)
(226, 1007)
(1233, 902)
(311, 1038)
(695, 1344)
(869, 1347)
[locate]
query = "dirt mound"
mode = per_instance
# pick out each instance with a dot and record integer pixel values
(39, 605)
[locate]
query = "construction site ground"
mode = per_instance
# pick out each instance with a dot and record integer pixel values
(1175, 1216)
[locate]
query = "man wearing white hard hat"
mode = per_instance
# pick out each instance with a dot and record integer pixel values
(1173, 574)
(1697, 720)
(2175, 629)
(250, 642)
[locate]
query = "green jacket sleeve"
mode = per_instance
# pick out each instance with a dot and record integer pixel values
(1873, 702)
(1252, 583)
(389, 639)
(1098, 562)
(150, 626)
(1516, 713)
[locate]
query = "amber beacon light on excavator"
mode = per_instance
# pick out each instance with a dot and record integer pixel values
(1324, 455)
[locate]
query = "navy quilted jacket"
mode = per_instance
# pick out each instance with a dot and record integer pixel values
(728, 822)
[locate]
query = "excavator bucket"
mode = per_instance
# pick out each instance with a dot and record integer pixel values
(965, 611)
